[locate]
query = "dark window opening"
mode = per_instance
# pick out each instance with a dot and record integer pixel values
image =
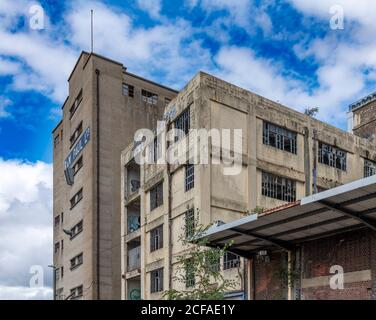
(128, 90)
(279, 138)
(156, 238)
(76, 230)
(190, 223)
(182, 123)
(332, 156)
(78, 165)
(156, 196)
(76, 198)
(76, 104)
(278, 187)
(156, 280)
(149, 97)
(230, 261)
(369, 168)
(77, 261)
(77, 292)
(76, 134)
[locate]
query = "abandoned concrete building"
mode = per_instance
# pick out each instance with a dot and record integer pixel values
(105, 106)
(286, 156)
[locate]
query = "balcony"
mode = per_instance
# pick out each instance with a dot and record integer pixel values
(134, 289)
(132, 179)
(133, 216)
(133, 257)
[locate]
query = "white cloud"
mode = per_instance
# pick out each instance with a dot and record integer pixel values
(25, 293)
(168, 48)
(243, 13)
(4, 104)
(265, 77)
(152, 7)
(25, 227)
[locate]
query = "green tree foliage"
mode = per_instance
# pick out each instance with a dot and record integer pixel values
(198, 269)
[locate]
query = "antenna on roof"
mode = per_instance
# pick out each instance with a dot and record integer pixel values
(92, 38)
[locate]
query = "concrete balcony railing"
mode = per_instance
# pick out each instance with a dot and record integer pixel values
(134, 258)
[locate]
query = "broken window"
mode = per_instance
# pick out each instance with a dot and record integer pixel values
(76, 134)
(128, 90)
(230, 261)
(76, 104)
(182, 123)
(156, 280)
(149, 97)
(279, 138)
(156, 196)
(332, 156)
(77, 229)
(77, 261)
(278, 187)
(77, 292)
(369, 168)
(156, 238)
(190, 223)
(76, 198)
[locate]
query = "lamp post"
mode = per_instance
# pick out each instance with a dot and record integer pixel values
(54, 280)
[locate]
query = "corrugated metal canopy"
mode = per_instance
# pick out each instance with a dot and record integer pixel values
(345, 208)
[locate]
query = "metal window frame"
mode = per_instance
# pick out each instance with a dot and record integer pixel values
(156, 280)
(156, 238)
(156, 196)
(183, 123)
(189, 222)
(149, 97)
(281, 135)
(234, 262)
(189, 181)
(128, 90)
(278, 187)
(336, 157)
(369, 168)
(190, 277)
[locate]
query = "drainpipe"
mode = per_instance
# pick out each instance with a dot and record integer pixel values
(307, 163)
(97, 73)
(315, 161)
(169, 204)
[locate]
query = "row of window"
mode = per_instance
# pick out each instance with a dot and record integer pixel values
(284, 189)
(230, 260)
(286, 140)
(146, 96)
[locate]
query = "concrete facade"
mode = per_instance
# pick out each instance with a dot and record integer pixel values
(216, 104)
(112, 115)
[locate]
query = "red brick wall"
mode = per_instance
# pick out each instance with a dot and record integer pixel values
(353, 251)
(269, 277)
(367, 118)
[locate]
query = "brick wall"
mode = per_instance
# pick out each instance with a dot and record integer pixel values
(270, 277)
(354, 251)
(366, 120)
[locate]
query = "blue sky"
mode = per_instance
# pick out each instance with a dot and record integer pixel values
(285, 50)
(287, 36)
